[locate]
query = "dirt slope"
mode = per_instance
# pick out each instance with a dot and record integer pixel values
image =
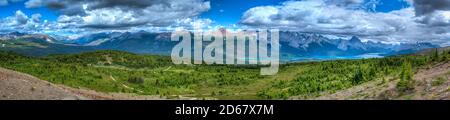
(431, 83)
(18, 86)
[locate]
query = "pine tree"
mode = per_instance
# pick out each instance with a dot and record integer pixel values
(445, 55)
(358, 77)
(436, 55)
(406, 82)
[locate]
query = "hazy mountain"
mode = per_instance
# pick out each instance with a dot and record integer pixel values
(37, 44)
(297, 45)
(140, 42)
(294, 45)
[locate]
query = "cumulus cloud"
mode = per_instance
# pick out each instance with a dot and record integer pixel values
(20, 18)
(87, 16)
(114, 18)
(433, 13)
(367, 5)
(98, 4)
(194, 23)
(346, 3)
(66, 7)
(423, 7)
(23, 23)
(317, 16)
(36, 18)
(129, 13)
(436, 19)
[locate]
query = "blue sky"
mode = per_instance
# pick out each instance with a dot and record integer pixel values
(225, 12)
(375, 20)
(12, 7)
(389, 5)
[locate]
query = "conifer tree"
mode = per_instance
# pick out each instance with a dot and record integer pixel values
(406, 82)
(436, 55)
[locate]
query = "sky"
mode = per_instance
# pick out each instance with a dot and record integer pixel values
(375, 20)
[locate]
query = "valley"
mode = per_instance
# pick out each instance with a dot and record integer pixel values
(294, 46)
(127, 74)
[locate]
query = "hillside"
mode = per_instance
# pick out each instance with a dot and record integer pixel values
(38, 45)
(112, 72)
(18, 86)
(431, 82)
(432, 51)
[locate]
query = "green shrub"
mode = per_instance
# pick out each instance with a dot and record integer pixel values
(438, 81)
(358, 77)
(406, 82)
(136, 80)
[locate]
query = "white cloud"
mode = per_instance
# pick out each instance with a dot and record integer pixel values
(34, 3)
(316, 16)
(20, 18)
(260, 15)
(87, 16)
(118, 14)
(69, 19)
(433, 13)
(110, 18)
(437, 18)
(195, 23)
(36, 18)
(23, 23)
(424, 7)
(346, 3)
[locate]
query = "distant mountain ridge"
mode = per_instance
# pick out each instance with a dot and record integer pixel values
(294, 45)
(309, 45)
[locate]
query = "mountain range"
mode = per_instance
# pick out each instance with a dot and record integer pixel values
(309, 46)
(295, 46)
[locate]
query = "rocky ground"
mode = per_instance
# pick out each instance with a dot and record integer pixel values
(430, 83)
